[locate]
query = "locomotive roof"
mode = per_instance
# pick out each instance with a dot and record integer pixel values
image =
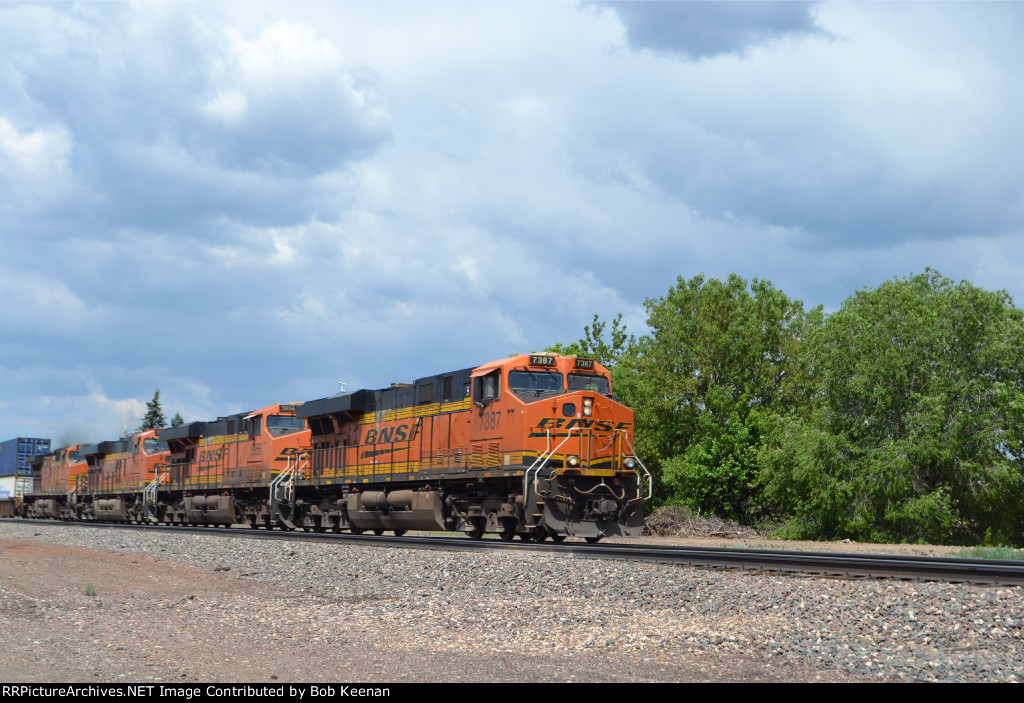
(230, 424)
(114, 447)
(429, 389)
(190, 429)
(362, 401)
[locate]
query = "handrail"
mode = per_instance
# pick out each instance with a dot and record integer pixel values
(286, 478)
(650, 479)
(541, 460)
(149, 492)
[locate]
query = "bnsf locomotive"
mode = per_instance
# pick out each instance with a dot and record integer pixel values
(534, 445)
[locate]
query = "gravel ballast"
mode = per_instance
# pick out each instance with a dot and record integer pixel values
(177, 607)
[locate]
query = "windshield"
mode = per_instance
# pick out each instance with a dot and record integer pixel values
(588, 382)
(535, 381)
(153, 446)
(284, 424)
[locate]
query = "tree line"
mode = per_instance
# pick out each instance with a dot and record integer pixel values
(896, 418)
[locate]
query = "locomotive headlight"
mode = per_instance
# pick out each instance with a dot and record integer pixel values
(629, 463)
(573, 461)
(588, 406)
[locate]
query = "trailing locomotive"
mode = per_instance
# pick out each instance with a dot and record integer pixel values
(534, 445)
(58, 477)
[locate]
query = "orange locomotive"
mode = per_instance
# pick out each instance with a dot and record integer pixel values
(58, 477)
(119, 476)
(533, 445)
(225, 471)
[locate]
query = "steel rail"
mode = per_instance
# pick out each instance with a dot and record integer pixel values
(831, 564)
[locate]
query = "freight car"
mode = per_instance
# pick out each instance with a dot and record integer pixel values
(9, 507)
(533, 445)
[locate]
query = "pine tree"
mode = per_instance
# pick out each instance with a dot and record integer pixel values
(154, 419)
(177, 420)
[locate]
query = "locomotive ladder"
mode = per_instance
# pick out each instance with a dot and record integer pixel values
(81, 485)
(282, 487)
(149, 494)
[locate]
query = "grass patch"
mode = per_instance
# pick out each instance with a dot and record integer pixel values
(90, 590)
(991, 553)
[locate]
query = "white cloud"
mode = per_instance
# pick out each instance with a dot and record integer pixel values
(35, 173)
(35, 152)
(227, 107)
(34, 301)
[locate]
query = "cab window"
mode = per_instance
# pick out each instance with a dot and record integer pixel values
(588, 382)
(487, 386)
(535, 381)
(279, 425)
(154, 446)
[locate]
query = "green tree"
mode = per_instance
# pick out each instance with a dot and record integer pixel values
(177, 420)
(595, 345)
(916, 431)
(154, 419)
(720, 359)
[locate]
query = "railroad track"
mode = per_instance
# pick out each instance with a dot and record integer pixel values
(832, 564)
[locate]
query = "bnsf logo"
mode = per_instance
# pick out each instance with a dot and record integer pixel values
(562, 423)
(289, 453)
(402, 433)
(212, 455)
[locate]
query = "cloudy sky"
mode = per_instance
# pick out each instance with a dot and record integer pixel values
(246, 203)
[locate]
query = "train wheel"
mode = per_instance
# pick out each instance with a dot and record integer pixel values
(592, 540)
(356, 530)
(557, 538)
(399, 533)
(507, 531)
(540, 536)
(478, 528)
(378, 532)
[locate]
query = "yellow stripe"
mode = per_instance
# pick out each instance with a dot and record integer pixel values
(415, 411)
(222, 439)
(372, 469)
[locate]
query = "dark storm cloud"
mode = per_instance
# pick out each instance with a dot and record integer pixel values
(699, 30)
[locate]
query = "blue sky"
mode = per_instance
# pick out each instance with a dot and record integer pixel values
(246, 203)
